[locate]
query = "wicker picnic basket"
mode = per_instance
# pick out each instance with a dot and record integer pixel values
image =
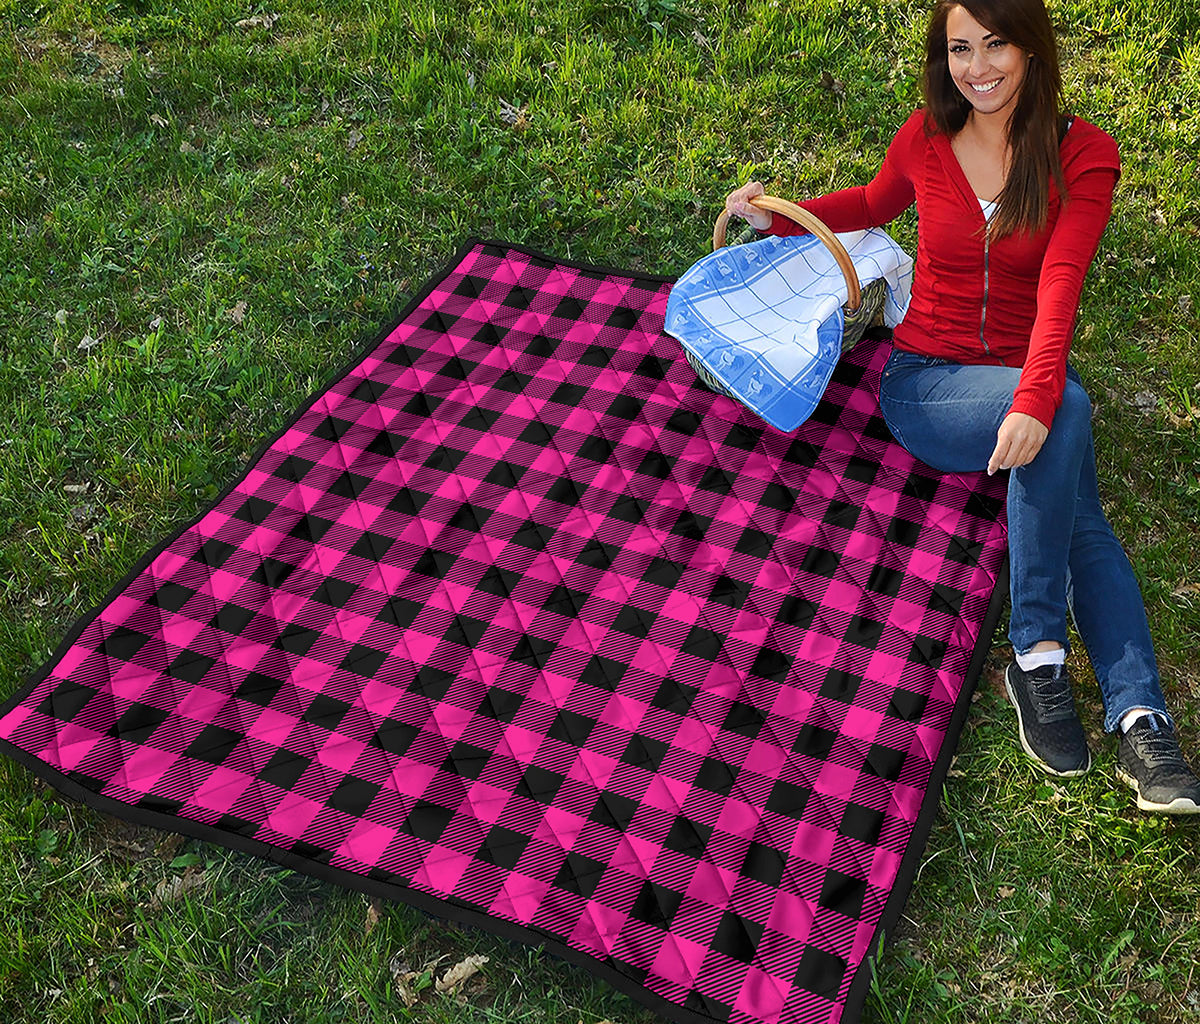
(864, 306)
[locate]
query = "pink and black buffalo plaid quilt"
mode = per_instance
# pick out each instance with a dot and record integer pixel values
(519, 623)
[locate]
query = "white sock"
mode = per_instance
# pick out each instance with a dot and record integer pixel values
(1130, 717)
(1036, 659)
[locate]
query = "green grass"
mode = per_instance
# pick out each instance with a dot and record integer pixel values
(160, 167)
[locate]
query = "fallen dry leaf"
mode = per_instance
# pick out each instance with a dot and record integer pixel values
(407, 993)
(1005, 891)
(405, 977)
(171, 889)
(460, 972)
(512, 115)
(1146, 401)
(354, 139)
(374, 913)
(186, 147)
(87, 341)
(832, 84)
(257, 21)
(238, 313)
(60, 317)
(158, 120)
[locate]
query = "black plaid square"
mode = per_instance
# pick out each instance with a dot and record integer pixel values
(353, 795)
(171, 597)
(498, 581)
(614, 811)
(773, 665)
(797, 611)
(272, 572)
(764, 864)
(427, 821)
(325, 711)
(603, 672)
(394, 736)
(284, 769)
(502, 847)
(841, 686)
(371, 546)
(674, 696)
(815, 741)
(190, 666)
(213, 745)
(744, 719)
(656, 905)
(537, 433)
(137, 723)
(662, 572)
(862, 823)
(737, 937)
(842, 513)
(122, 643)
(788, 799)
(293, 468)
(820, 973)
(704, 643)
(500, 704)
(565, 601)
(571, 727)
(539, 784)
(716, 776)
(884, 762)
(465, 759)
(843, 893)
(231, 618)
(579, 874)
(820, 561)
(66, 700)
(634, 621)
(906, 705)
(431, 682)
(657, 465)
(691, 526)
(688, 837)
(644, 752)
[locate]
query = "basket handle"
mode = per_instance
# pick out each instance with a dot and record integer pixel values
(807, 220)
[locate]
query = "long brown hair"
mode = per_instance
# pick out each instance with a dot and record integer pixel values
(1037, 124)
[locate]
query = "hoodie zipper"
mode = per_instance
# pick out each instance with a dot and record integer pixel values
(983, 310)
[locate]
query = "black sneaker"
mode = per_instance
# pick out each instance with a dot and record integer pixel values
(1149, 760)
(1050, 729)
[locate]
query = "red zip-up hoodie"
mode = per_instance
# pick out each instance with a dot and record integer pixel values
(1010, 302)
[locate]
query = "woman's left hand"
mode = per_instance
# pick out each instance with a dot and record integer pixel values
(1018, 440)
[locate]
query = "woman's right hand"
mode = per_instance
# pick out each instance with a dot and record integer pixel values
(737, 204)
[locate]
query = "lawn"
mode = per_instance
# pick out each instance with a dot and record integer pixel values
(205, 207)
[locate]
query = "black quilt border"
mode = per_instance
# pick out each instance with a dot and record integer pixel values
(456, 910)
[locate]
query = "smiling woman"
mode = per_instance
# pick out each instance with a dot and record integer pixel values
(1012, 198)
(996, 88)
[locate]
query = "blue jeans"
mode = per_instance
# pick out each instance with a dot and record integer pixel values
(1062, 551)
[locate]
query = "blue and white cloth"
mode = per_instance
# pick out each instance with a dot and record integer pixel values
(765, 319)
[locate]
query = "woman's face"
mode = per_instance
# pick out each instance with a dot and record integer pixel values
(987, 69)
